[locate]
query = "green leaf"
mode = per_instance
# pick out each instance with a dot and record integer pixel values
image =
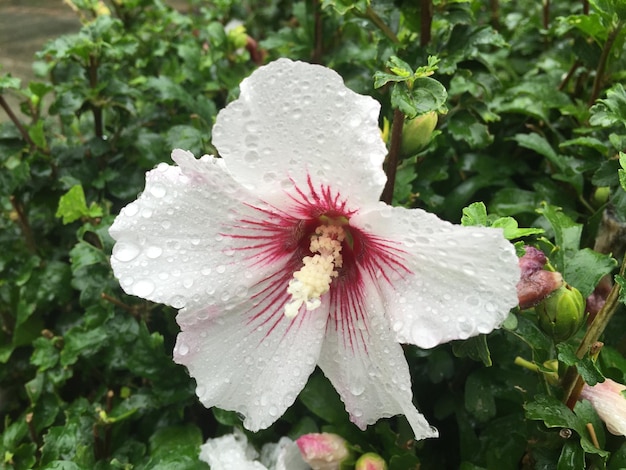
(38, 134)
(540, 145)
(479, 399)
(622, 172)
(585, 366)
(344, 6)
(474, 215)
(7, 82)
(611, 110)
(572, 457)
(585, 269)
(72, 206)
(322, 400)
(475, 348)
(511, 230)
(555, 414)
(176, 447)
(622, 291)
(464, 127)
(567, 233)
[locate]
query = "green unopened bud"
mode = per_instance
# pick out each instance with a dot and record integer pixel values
(600, 196)
(417, 132)
(562, 313)
(370, 461)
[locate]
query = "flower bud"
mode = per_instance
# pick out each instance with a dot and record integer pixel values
(417, 132)
(370, 461)
(323, 451)
(535, 283)
(562, 313)
(607, 399)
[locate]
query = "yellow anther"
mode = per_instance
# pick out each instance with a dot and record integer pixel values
(314, 278)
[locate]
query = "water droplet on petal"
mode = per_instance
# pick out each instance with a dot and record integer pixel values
(130, 210)
(125, 251)
(143, 288)
(182, 349)
(158, 190)
(178, 301)
(221, 269)
(154, 252)
(357, 388)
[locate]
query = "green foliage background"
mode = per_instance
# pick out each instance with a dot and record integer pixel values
(532, 116)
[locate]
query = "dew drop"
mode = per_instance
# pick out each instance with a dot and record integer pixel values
(357, 389)
(125, 251)
(154, 252)
(187, 283)
(178, 301)
(166, 224)
(158, 190)
(143, 288)
(221, 269)
(182, 349)
(131, 210)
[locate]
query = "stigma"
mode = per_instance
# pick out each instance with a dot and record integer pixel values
(314, 278)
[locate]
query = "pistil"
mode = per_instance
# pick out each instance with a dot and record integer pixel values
(314, 278)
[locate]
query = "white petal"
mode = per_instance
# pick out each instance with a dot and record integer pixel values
(458, 281)
(294, 120)
(251, 359)
(365, 364)
(175, 243)
(284, 455)
(229, 452)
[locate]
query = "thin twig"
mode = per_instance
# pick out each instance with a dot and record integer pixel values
(604, 57)
(495, 13)
(592, 335)
(24, 225)
(569, 75)
(96, 108)
(392, 157)
(380, 24)
(546, 14)
(16, 121)
(426, 21)
(318, 46)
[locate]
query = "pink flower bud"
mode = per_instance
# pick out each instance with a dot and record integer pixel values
(535, 283)
(607, 399)
(323, 451)
(370, 461)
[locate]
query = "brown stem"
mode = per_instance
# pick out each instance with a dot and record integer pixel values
(16, 121)
(96, 109)
(546, 14)
(393, 156)
(317, 32)
(569, 75)
(604, 56)
(585, 7)
(380, 24)
(22, 221)
(592, 335)
(426, 21)
(118, 303)
(495, 13)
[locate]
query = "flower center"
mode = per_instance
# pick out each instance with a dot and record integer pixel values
(314, 278)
